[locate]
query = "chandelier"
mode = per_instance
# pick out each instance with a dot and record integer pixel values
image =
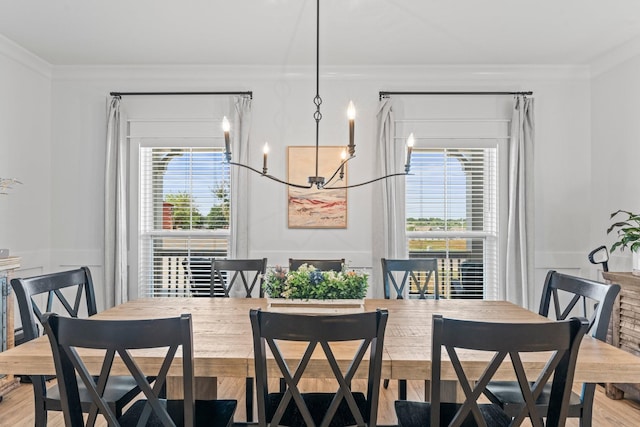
(347, 154)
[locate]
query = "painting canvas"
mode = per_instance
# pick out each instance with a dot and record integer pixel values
(313, 208)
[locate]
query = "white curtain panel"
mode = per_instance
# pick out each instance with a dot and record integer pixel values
(519, 286)
(389, 236)
(238, 245)
(115, 217)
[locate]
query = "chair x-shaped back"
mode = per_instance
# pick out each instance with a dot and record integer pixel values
(566, 294)
(53, 285)
(561, 338)
(271, 328)
(246, 270)
(420, 270)
(66, 335)
(558, 286)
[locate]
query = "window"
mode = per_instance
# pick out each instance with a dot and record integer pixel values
(451, 214)
(184, 218)
(454, 197)
(180, 205)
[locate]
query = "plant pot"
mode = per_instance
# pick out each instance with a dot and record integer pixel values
(635, 266)
(315, 306)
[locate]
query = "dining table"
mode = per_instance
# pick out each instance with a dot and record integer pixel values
(223, 344)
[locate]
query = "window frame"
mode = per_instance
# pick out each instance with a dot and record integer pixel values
(134, 214)
(493, 291)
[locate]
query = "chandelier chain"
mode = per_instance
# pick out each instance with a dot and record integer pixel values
(317, 115)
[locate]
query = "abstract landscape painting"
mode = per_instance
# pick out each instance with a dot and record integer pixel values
(313, 208)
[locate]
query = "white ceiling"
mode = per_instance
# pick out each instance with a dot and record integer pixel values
(353, 32)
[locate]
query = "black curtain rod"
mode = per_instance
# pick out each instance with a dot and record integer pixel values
(383, 94)
(248, 93)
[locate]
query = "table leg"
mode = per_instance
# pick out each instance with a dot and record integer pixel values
(449, 391)
(206, 388)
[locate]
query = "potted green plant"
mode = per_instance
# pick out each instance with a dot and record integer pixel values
(307, 286)
(628, 232)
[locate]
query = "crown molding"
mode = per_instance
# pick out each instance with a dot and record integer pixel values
(233, 73)
(615, 57)
(17, 53)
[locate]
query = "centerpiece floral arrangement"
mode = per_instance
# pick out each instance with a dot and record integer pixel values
(307, 282)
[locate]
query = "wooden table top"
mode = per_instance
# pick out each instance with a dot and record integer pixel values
(223, 344)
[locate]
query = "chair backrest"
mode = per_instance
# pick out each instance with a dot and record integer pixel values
(68, 336)
(273, 329)
(198, 271)
(228, 272)
(561, 338)
(67, 292)
(421, 271)
(54, 286)
(569, 292)
(320, 264)
(472, 279)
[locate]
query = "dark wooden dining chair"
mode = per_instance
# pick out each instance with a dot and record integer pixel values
(241, 273)
(245, 273)
(69, 292)
(422, 272)
(558, 340)
(198, 273)
(272, 332)
(471, 281)
(565, 294)
(69, 336)
(320, 264)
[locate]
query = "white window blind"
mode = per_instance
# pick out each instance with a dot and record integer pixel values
(456, 193)
(184, 218)
(451, 208)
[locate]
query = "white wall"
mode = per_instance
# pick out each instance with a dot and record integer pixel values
(25, 154)
(52, 127)
(615, 125)
(282, 114)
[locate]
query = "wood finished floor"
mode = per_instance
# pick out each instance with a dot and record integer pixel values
(16, 410)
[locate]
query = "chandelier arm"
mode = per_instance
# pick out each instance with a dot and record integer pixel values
(271, 177)
(337, 171)
(368, 182)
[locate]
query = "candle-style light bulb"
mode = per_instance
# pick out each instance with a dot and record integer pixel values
(410, 143)
(351, 115)
(265, 151)
(351, 111)
(226, 127)
(343, 157)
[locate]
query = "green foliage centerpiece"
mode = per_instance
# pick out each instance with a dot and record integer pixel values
(307, 282)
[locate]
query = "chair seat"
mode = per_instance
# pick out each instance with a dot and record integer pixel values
(119, 391)
(418, 414)
(317, 403)
(508, 394)
(208, 413)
